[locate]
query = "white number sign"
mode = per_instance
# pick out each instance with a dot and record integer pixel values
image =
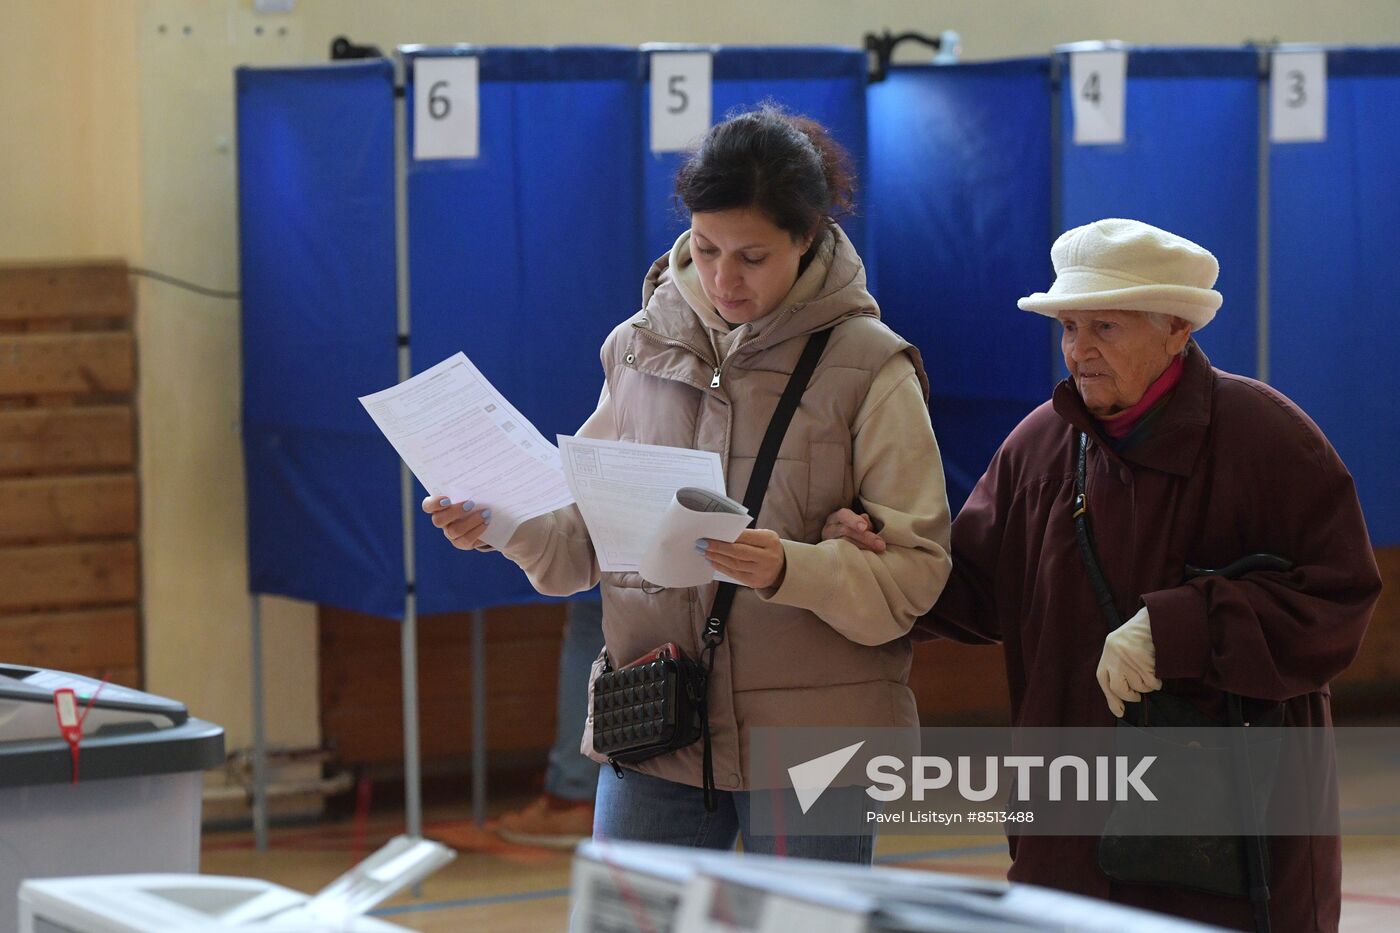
(446, 108)
(680, 99)
(1099, 81)
(1298, 97)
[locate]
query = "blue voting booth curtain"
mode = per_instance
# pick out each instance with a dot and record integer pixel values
(826, 84)
(1189, 164)
(316, 218)
(1334, 277)
(525, 258)
(960, 218)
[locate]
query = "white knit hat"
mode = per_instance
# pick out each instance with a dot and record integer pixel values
(1127, 265)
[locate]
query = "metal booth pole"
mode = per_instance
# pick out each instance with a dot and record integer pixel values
(1261, 351)
(259, 733)
(1057, 209)
(408, 634)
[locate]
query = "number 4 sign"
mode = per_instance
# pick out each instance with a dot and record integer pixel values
(680, 99)
(445, 108)
(1097, 80)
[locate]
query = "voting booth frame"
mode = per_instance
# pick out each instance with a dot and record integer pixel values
(513, 199)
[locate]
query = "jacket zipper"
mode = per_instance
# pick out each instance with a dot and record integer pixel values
(653, 335)
(714, 380)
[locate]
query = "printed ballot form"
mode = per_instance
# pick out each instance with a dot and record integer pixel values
(645, 506)
(463, 440)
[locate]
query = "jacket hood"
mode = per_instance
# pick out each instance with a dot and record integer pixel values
(841, 294)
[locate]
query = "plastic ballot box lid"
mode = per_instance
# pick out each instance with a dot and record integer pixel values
(119, 732)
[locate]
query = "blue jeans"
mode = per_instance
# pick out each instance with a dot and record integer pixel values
(571, 774)
(642, 808)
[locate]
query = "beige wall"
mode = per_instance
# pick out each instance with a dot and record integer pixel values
(118, 140)
(194, 545)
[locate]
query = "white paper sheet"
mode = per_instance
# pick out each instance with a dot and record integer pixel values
(463, 440)
(624, 492)
(669, 557)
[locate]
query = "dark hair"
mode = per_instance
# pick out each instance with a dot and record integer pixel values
(786, 166)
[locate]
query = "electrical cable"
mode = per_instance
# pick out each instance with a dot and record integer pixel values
(181, 283)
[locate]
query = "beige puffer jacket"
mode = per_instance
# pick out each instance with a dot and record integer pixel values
(828, 646)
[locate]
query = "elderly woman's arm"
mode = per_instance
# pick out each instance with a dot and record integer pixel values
(872, 598)
(1275, 635)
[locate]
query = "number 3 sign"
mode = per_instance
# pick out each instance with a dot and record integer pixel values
(680, 99)
(445, 108)
(1298, 97)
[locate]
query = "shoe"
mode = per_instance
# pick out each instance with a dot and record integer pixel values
(550, 822)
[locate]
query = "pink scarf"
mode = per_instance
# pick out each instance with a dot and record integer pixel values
(1121, 425)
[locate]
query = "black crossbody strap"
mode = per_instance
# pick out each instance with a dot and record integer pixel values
(768, 458)
(1085, 536)
(753, 501)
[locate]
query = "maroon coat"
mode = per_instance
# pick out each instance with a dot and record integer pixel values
(1231, 467)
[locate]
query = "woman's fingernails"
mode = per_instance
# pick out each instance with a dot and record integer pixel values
(444, 502)
(701, 544)
(700, 549)
(486, 516)
(468, 505)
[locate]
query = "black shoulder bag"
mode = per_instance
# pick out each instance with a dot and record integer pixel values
(657, 704)
(1234, 866)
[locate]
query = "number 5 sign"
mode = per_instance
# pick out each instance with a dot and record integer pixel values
(680, 99)
(446, 112)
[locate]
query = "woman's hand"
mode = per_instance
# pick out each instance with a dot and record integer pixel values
(1128, 665)
(756, 559)
(844, 523)
(461, 523)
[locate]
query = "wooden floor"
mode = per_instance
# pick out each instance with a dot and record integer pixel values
(502, 888)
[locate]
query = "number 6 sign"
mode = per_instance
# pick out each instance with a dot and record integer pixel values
(445, 108)
(680, 99)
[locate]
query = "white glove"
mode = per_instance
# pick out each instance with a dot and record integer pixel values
(1128, 666)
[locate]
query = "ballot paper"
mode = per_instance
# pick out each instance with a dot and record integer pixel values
(669, 557)
(463, 440)
(646, 505)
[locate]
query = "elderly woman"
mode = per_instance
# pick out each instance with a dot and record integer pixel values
(1185, 464)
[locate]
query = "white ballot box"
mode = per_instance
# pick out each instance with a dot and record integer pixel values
(621, 887)
(136, 804)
